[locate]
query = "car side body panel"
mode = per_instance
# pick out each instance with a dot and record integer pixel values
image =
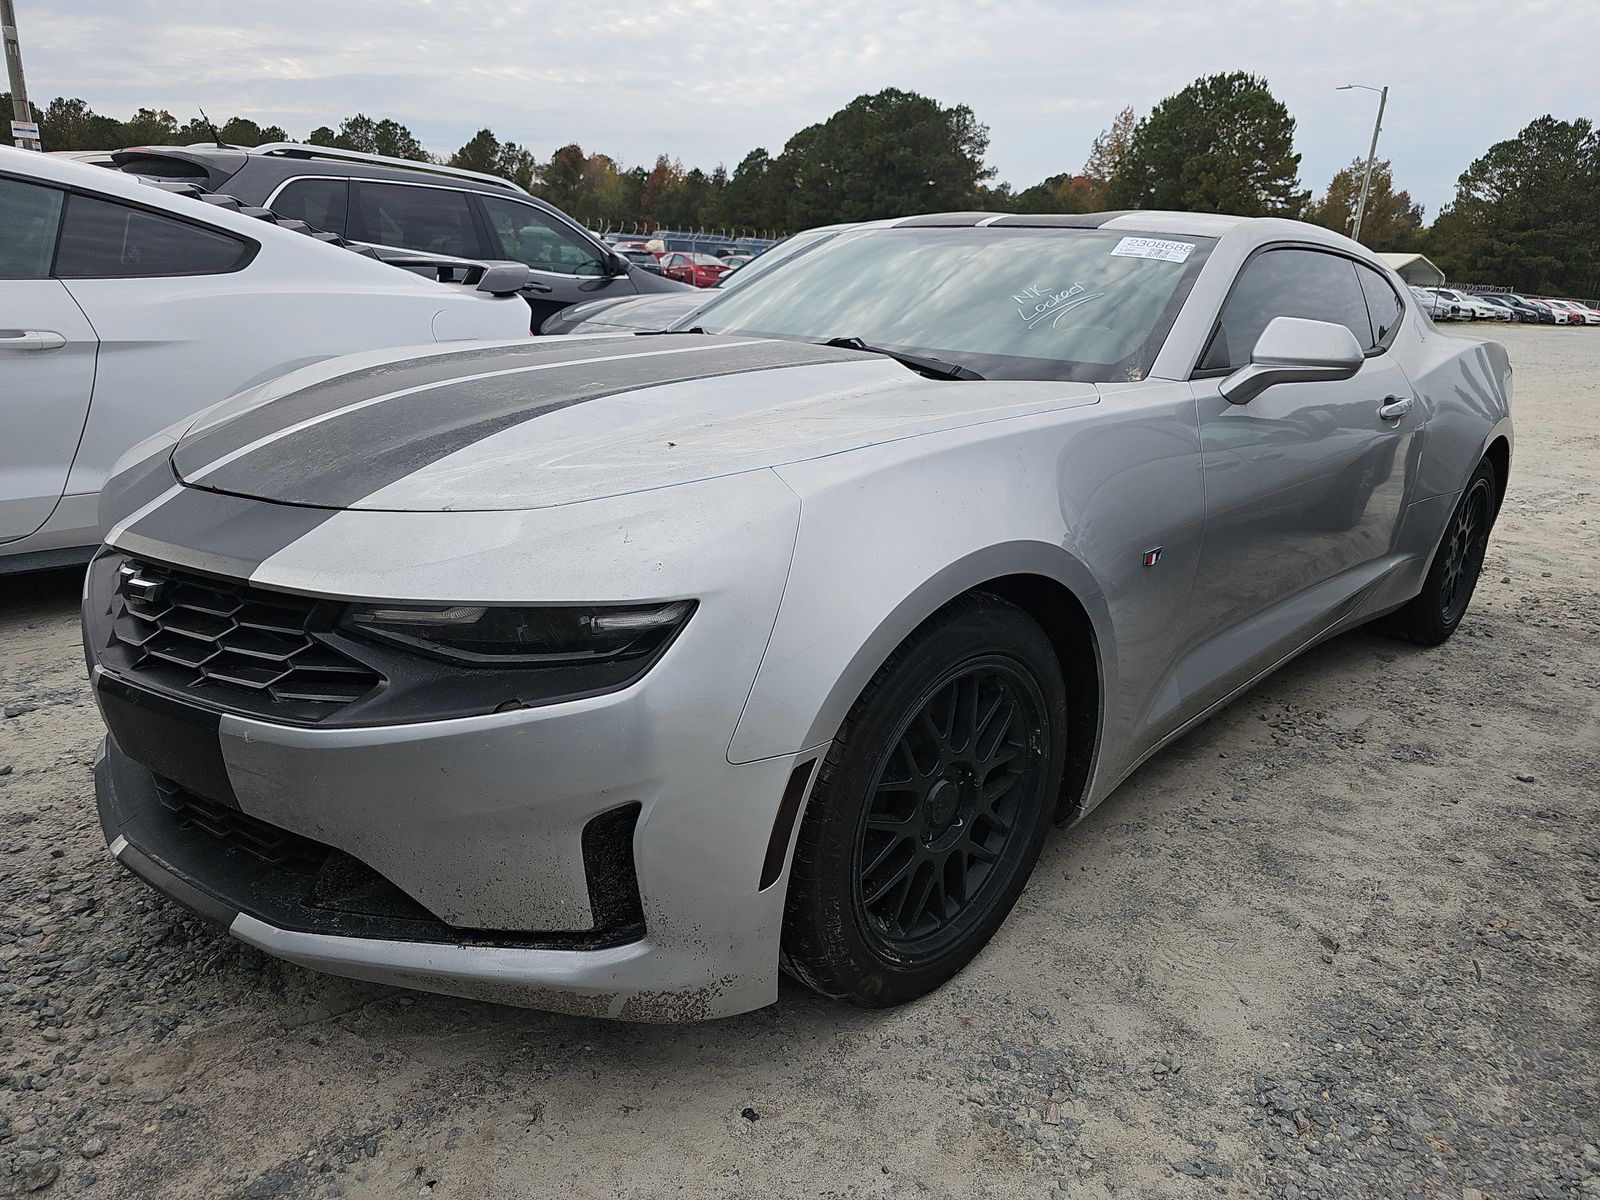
(1084, 492)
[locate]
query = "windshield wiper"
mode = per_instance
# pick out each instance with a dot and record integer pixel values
(662, 332)
(935, 368)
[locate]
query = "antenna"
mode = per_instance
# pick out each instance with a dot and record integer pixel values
(215, 136)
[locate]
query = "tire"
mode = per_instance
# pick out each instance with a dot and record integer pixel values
(930, 807)
(1435, 612)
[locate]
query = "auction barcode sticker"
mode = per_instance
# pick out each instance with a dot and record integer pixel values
(1132, 247)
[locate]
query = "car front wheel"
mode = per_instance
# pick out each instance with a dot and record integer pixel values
(930, 808)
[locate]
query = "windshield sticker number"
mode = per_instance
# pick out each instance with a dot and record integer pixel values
(1135, 247)
(1039, 306)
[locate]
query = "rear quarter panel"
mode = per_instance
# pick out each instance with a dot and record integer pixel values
(1464, 386)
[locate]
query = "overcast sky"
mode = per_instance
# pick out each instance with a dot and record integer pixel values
(707, 80)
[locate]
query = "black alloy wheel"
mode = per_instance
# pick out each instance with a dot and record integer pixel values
(930, 807)
(945, 804)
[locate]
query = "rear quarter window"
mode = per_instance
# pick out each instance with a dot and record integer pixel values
(105, 240)
(1383, 306)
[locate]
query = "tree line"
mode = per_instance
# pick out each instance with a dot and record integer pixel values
(1523, 214)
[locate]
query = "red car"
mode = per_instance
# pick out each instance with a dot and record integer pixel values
(702, 270)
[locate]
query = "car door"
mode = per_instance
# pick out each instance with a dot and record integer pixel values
(1306, 484)
(47, 361)
(566, 267)
(176, 330)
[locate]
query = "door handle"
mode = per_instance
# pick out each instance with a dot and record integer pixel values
(31, 339)
(1395, 407)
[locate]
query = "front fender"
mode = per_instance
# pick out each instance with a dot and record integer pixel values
(823, 655)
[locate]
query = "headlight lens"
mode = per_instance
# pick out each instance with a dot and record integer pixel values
(534, 636)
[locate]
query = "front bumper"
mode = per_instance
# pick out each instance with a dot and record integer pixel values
(706, 946)
(653, 978)
(480, 823)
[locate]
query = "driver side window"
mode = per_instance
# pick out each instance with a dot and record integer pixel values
(1287, 283)
(527, 236)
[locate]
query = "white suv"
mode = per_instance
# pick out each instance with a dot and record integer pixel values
(125, 308)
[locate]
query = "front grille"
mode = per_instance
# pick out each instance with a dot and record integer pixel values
(273, 846)
(235, 645)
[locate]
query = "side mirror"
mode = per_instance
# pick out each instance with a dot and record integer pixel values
(1292, 350)
(617, 265)
(503, 278)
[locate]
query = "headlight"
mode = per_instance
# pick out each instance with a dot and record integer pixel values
(567, 636)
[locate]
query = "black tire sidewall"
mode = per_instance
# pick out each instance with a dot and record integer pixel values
(1422, 621)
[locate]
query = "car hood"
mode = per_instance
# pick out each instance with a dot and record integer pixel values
(560, 420)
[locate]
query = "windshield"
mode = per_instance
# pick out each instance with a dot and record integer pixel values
(1009, 303)
(782, 252)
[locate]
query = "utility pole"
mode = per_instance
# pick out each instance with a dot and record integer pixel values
(1372, 153)
(19, 89)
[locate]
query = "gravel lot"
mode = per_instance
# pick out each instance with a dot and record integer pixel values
(1338, 942)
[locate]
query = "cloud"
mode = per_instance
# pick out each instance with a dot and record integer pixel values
(708, 80)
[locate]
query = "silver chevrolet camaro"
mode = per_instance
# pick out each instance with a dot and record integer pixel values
(615, 674)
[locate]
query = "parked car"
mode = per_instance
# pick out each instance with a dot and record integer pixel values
(1498, 311)
(652, 314)
(414, 206)
(1514, 312)
(1578, 312)
(1558, 315)
(1435, 305)
(701, 270)
(1537, 312)
(124, 308)
(606, 674)
(1527, 313)
(1470, 307)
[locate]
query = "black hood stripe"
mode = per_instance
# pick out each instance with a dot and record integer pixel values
(291, 430)
(354, 454)
(330, 395)
(219, 535)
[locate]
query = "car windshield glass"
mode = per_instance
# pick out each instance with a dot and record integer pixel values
(758, 266)
(1009, 303)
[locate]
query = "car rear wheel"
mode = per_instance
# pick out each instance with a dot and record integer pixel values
(930, 807)
(1434, 614)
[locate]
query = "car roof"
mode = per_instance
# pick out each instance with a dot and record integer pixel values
(1163, 222)
(293, 158)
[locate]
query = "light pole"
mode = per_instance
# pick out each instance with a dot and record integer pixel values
(19, 89)
(1366, 179)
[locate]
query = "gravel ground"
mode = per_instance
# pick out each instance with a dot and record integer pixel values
(1338, 942)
